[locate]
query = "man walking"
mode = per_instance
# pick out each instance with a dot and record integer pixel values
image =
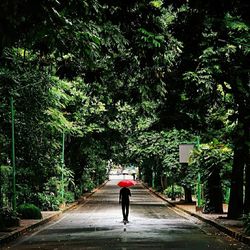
(124, 200)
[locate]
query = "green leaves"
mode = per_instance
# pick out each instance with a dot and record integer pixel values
(119, 80)
(72, 110)
(156, 3)
(235, 23)
(58, 122)
(59, 100)
(151, 39)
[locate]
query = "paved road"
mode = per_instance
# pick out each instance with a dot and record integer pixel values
(97, 224)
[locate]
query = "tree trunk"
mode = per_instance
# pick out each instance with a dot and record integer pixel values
(158, 185)
(247, 170)
(164, 181)
(140, 173)
(158, 175)
(148, 172)
(188, 195)
(247, 190)
(213, 192)
(235, 208)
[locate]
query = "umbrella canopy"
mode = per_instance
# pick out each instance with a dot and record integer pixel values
(126, 183)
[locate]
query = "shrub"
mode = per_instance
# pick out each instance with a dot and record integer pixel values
(5, 172)
(78, 192)
(48, 202)
(8, 218)
(69, 197)
(178, 192)
(29, 211)
(26, 194)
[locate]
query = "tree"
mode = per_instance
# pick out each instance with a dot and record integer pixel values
(221, 60)
(212, 160)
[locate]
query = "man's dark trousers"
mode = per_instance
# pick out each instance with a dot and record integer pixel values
(125, 210)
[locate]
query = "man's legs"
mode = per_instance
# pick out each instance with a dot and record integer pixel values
(127, 211)
(123, 210)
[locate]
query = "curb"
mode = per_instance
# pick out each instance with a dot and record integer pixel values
(238, 236)
(19, 232)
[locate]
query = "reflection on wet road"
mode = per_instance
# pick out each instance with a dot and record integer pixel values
(97, 224)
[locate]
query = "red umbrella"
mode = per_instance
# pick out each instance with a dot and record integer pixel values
(126, 183)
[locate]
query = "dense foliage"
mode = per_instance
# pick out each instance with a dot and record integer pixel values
(127, 82)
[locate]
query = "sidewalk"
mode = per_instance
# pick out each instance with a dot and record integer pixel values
(28, 225)
(233, 228)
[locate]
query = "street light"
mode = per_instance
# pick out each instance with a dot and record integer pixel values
(199, 177)
(13, 161)
(62, 160)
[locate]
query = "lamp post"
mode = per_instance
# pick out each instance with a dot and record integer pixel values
(13, 157)
(199, 190)
(62, 161)
(13, 161)
(198, 178)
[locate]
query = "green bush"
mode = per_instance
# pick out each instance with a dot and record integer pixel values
(5, 172)
(26, 194)
(8, 218)
(178, 192)
(88, 183)
(29, 211)
(48, 202)
(78, 192)
(69, 197)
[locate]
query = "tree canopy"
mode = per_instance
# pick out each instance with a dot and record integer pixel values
(127, 82)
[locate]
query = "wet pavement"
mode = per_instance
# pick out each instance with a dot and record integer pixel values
(97, 224)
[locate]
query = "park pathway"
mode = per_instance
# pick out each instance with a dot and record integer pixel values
(97, 224)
